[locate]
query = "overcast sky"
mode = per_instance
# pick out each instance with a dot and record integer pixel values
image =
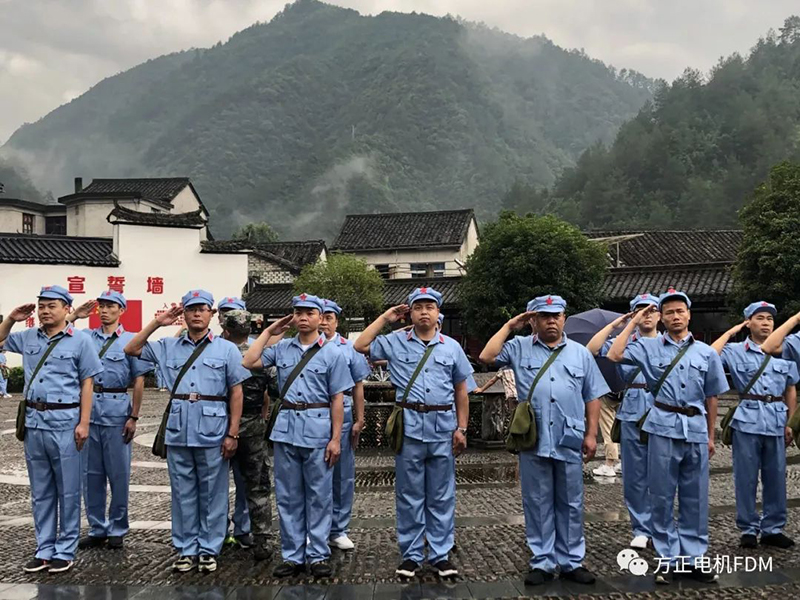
(53, 50)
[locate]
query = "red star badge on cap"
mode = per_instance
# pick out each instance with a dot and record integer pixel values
(46, 288)
(671, 290)
(423, 290)
(195, 294)
(303, 296)
(549, 300)
(645, 295)
(764, 304)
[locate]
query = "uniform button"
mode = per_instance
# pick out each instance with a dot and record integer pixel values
(191, 384)
(552, 399)
(683, 385)
(426, 369)
(41, 381)
(427, 389)
(193, 367)
(301, 375)
(552, 379)
(681, 367)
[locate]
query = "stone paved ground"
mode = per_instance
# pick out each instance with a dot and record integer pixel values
(490, 546)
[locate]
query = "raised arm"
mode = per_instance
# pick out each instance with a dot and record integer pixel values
(774, 343)
(82, 312)
(15, 316)
(495, 345)
(366, 338)
(269, 337)
(596, 343)
(488, 384)
(136, 345)
(719, 343)
(616, 352)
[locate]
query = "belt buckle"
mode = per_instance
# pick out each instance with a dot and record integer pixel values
(193, 397)
(40, 406)
(423, 408)
(300, 405)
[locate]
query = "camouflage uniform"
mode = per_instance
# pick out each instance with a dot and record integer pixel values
(251, 455)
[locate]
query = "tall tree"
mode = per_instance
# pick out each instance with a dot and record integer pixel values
(768, 264)
(520, 258)
(347, 280)
(257, 233)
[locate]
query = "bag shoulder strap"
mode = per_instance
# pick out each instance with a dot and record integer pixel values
(764, 363)
(634, 375)
(543, 370)
(197, 352)
(307, 356)
(108, 344)
(668, 370)
(415, 374)
(47, 352)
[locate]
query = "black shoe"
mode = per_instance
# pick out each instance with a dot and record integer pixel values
(445, 568)
(321, 569)
(778, 540)
(59, 565)
(702, 576)
(538, 577)
(288, 569)
(262, 550)
(748, 541)
(91, 542)
(115, 542)
(408, 568)
(580, 575)
(244, 540)
(35, 565)
(664, 577)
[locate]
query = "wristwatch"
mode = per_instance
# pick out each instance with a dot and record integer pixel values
(463, 430)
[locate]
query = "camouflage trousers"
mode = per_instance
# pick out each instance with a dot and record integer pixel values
(253, 461)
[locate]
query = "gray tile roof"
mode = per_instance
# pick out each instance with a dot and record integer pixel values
(709, 282)
(292, 255)
(57, 250)
(194, 219)
(646, 248)
(390, 231)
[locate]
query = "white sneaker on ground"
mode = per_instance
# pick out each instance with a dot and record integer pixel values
(640, 542)
(342, 542)
(604, 471)
(618, 468)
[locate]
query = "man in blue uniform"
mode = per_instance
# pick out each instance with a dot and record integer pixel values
(685, 377)
(203, 427)
(635, 402)
(566, 405)
(307, 432)
(435, 416)
(60, 364)
(3, 375)
(106, 458)
(785, 343)
(242, 535)
(766, 387)
(344, 472)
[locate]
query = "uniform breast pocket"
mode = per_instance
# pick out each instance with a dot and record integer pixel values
(215, 369)
(574, 376)
(699, 364)
(213, 420)
(317, 425)
(445, 421)
(444, 364)
(746, 412)
(61, 361)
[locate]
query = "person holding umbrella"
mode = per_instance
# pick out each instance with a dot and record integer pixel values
(636, 400)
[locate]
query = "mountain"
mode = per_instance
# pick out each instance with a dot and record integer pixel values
(693, 156)
(324, 111)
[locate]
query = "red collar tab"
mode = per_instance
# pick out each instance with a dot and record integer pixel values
(210, 336)
(321, 340)
(70, 330)
(441, 339)
(342, 341)
(120, 330)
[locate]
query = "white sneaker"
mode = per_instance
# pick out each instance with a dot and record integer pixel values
(618, 468)
(605, 471)
(639, 542)
(7, 396)
(342, 542)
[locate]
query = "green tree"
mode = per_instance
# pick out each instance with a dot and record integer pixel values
(520, 258)
(257, 233)
(768, 264)
(349, 281)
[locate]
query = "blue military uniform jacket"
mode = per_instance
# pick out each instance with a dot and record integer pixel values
(636, 401)
(446, 367)
(356, 362)
(119, 371)
(325, 375)
(201, 423)
(559, 399)
(59, 380)
(698, 376)
(743, 360)
(791, 348)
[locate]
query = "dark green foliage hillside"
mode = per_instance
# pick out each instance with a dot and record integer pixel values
(323, 111)
(16, 183)
(692, 156)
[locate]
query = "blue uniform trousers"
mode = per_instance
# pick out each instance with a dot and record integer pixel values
(634, 479)
(54, 471)
(552, 500)
(675, 464)
(241, 514)
(753, 453)
(3, 386)
(425, 496)
(106, 461)
(303, 491)
(344, 480)
(199, 481)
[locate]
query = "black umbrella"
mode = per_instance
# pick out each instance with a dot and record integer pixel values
(582, 327)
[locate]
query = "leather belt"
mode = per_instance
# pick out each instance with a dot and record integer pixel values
(41, 406)
(194, 397)
(303, 405)
(761, 397)
(637, 386)
(421, 407)
(99, 389)
(689, 411)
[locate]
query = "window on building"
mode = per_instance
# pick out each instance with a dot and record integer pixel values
(27, 223)
(55, 225)
(420, 270)
(383, 271)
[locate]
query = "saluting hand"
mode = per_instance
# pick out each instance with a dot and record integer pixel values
(85, 310)
(169, 316)
(395, 313)
(332, 452)
(518, 322)
(281, 326)
(22, 312)
(621, 320)
(737, 328)
(645, 312)
(81, 435)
